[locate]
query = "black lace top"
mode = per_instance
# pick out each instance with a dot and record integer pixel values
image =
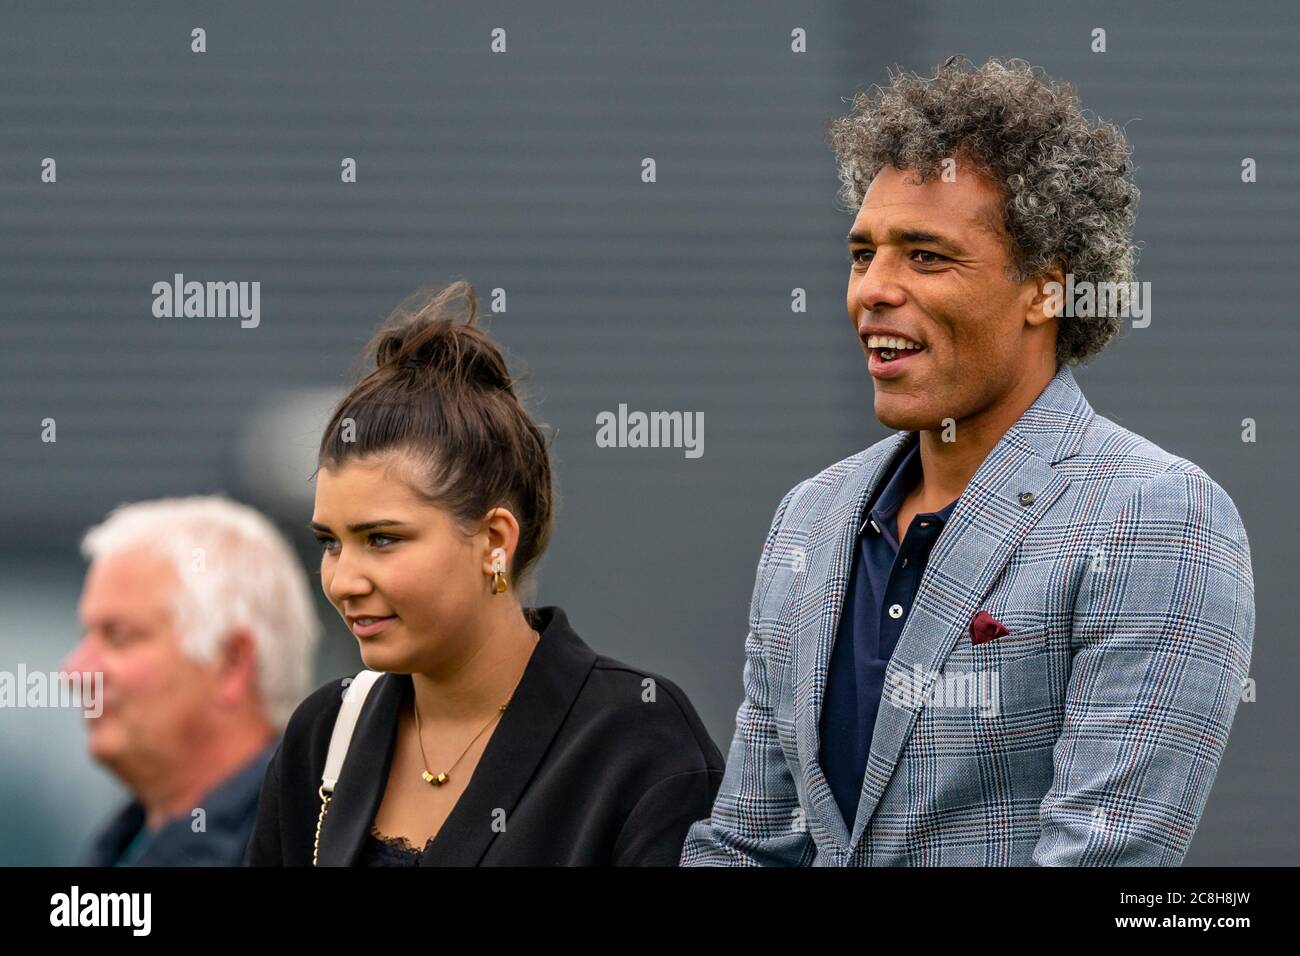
(380, 850)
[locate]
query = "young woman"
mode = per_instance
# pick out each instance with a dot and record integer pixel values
(495, 735)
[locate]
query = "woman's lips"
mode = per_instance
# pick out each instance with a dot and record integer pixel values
(881, 369)
(376, 626)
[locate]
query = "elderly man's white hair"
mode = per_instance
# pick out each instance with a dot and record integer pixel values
(235, 571)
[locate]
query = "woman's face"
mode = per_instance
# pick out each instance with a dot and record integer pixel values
(390, 555)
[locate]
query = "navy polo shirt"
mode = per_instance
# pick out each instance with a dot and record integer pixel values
(882, 586)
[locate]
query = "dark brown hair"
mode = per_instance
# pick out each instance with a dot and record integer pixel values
(441, 390)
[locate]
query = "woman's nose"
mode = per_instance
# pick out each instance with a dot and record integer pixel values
(347, 580)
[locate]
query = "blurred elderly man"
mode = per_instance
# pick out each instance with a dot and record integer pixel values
(199, 616)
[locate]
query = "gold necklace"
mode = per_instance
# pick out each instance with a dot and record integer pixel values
(437, 780)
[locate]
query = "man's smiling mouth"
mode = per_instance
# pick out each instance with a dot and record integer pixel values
(889, 347)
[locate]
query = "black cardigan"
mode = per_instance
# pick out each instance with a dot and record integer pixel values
(587, 772)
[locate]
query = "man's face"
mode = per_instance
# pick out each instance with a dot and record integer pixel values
(929, 265)
(155, 695)
(387, 554)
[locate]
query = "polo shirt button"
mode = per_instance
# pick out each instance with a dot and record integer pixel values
(896, 611)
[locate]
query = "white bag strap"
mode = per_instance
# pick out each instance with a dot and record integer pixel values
(346, 722)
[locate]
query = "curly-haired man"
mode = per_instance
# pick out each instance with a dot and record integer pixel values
(1012, 633)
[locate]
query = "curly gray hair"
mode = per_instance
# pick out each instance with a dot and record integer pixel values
(1070, 197)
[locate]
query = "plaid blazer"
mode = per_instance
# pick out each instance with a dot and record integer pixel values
(1121, 578)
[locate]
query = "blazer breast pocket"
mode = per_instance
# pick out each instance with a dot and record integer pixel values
(1013, 668)
(1019, 637)
(1023, 684)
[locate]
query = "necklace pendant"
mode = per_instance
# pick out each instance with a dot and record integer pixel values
(437, 781)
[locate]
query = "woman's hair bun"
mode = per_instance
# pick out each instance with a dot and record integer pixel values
(441, 390)
(433, 340)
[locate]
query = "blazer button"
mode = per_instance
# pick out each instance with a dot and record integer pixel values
(1026, 498)
(896, 611)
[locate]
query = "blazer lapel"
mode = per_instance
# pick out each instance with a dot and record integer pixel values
(550, 684)
(832, 544)
(992, 518)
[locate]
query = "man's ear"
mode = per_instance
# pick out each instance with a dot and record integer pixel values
(237, 664)
(1047, 301)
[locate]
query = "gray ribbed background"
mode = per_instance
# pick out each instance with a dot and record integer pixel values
(522, 171)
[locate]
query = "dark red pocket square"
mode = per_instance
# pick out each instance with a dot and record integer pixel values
(984, 627)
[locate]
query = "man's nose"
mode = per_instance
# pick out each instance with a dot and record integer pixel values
(83, 657)
(880, 286)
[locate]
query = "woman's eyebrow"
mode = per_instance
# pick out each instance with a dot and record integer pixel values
(358, 528)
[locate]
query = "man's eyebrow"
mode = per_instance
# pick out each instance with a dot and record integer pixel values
(908, 235)
(358, 528)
